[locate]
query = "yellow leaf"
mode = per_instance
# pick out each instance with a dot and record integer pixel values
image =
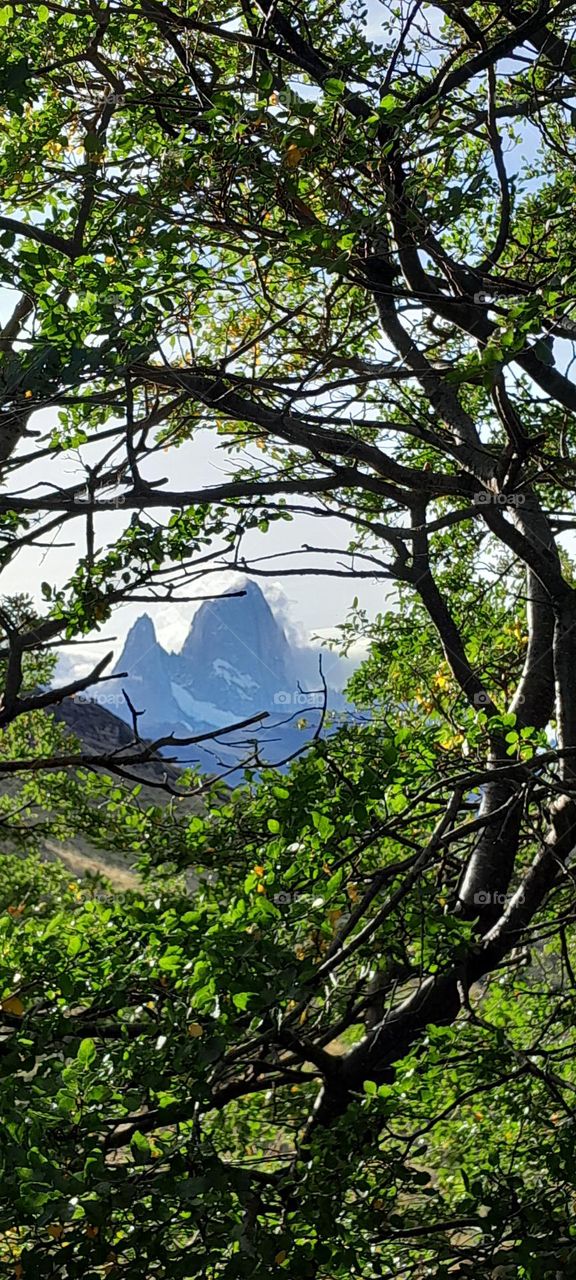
(258, 871)
(293, 156)
(16, 912)
(56, 1230)
(13, 1004)
(110, 261)
(281, 1257)
(260, 888)
(195, 1029)
(28, 395)
(352, 892)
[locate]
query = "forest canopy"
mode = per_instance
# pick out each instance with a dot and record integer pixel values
(338, 244)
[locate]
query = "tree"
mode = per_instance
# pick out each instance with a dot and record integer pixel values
(348, 248)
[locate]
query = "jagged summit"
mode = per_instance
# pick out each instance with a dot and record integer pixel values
(142, 630)
(235, 662)
(147, 682)
(229, 613)
(237, 652)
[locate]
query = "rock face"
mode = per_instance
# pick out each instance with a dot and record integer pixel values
(148, 677)
(236, 662)
(236, 656)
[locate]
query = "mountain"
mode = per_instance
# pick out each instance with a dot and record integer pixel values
(236, 655)
(148, 678)
(236, 662)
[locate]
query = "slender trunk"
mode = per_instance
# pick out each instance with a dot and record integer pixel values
(489, 871)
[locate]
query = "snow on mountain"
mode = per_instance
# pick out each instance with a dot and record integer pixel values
(236, 654)
(236, 662)
(231, 675)
(199, 712)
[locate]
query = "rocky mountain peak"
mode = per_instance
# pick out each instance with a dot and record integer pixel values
(143, 629)
(236, 662)
(236, 645)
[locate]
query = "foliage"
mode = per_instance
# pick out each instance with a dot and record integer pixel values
(336, 245)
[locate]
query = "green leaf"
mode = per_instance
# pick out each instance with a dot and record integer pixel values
(542, 350)
(86, 1053)
(241, 999)
(140, 1146)
(324, 827)
(334, 88)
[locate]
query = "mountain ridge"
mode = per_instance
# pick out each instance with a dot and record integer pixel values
(236, 661)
